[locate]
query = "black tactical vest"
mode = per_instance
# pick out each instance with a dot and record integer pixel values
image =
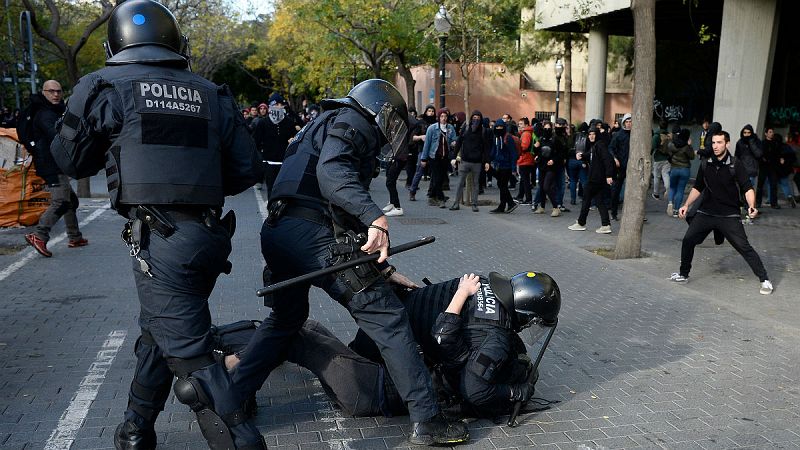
(168, 150)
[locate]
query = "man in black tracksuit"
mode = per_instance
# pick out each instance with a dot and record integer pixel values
(720, 181)
(601, 176)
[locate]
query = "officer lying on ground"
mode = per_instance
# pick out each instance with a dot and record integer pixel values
(464, 329)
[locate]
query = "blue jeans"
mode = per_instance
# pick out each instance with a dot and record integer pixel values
(577, 173)
(561, 187)
(678, 177)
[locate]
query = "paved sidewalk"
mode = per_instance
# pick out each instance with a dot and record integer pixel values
(636, 362)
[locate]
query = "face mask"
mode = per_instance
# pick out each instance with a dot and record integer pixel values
(276, 114)
(547, 133)
(474, 125)
(561, 131)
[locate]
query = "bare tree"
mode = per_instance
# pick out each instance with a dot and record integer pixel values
(629, 241)
(67, 51)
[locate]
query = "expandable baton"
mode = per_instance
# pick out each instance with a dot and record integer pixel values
(339, 267)
(512, 421)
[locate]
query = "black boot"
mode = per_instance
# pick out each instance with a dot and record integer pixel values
(130, 437)
(438, 431)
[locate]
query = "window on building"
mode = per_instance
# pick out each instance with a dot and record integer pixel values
(618, 117)
(544, 115)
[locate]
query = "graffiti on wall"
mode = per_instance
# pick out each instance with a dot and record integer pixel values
(783, 115)
(669, 113)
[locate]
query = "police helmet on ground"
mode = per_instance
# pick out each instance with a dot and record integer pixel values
(531, 296)
(381, 100)
(142, 31)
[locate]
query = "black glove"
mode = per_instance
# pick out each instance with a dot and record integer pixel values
(522, 392)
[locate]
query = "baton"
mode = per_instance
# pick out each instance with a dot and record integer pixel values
(512, 421)
(339, 267)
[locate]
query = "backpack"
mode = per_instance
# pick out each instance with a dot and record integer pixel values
(25, 130)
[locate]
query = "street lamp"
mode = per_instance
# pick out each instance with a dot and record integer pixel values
(441, 22)
(559, 72)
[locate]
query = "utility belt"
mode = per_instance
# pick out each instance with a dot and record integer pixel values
(164, 220)
(288, 208)
(357, 278)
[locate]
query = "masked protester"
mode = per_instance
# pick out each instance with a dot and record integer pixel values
(504, 161)
(472, 153)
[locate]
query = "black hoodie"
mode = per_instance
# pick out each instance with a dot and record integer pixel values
(473, 146)
(748, 151)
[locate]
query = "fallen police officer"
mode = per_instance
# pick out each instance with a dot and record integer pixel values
(463, 327)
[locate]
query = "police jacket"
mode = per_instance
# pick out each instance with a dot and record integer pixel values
(477, 350)
(330, 164)
(164, 135)
(44, 130)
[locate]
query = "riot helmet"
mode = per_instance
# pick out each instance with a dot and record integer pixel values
(145, 31)
(381, 101)
(529, 297)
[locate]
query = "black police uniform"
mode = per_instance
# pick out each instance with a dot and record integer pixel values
(326, 173)
(477, 354)
(176, 144)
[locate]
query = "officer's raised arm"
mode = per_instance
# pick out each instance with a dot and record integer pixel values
(80, 143)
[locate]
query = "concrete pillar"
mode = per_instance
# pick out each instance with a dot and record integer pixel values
(596, 76)
(746, 52)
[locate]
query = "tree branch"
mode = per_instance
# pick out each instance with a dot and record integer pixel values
(102, 18)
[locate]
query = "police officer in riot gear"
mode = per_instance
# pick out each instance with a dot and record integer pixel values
(471, 332)
(320, 207)
(173, 145)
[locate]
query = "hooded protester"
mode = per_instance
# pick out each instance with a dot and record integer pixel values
(598, 185)
(504, 161)
(620, 149)
(748, 151)
(472, 153)
(550, 157)
(427, 119)
(577, 169)
(272, 134)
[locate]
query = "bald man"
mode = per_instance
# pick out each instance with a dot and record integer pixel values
(48, 107)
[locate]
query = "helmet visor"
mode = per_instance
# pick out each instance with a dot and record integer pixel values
(394, 129)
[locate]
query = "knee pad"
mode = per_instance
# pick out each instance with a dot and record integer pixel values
(216, 431)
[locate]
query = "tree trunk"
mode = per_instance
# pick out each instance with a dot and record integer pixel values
(568, 79)
(629, 241)
(408, 78)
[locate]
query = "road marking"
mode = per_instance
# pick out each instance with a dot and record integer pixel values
(262, 205)
(31, 253)
(72, 419)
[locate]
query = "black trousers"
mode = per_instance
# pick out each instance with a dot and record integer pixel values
(592, 191)
(732, 229)
(392, 173)
(526, 183)
(503, 176)
(616, 190)
(174, 311)
(411, 167)
(295, 247)
(438, 177)
(270, 175)
(549, 185)
(770, 175)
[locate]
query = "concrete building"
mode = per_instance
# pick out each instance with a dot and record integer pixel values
(747, 33)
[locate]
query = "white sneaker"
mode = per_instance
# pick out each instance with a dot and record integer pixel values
(670, 209)
(394, 212)
(556, 212)
(388, 207)
(605, 229)
(766, 287)
(678, 278)
(577, 227)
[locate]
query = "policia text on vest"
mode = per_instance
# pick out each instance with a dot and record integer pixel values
(170, 98)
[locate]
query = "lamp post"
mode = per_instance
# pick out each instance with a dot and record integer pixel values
(441, 22)
(559, 71)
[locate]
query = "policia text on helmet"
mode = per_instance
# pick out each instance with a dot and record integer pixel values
(145, 31)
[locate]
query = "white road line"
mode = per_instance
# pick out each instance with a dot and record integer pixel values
(262, 205)
(72, 419)
(31, 253)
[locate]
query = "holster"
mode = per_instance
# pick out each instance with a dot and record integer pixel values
(361, 276)
(275, 212)
(155, 220)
